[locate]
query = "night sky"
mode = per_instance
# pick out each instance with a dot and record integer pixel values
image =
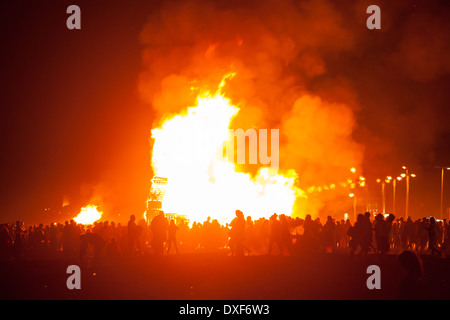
(72, 121)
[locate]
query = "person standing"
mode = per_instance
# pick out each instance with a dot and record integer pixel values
(172, 236)
(237, 234)
(159, 228)
(133, 235)
(432, 237)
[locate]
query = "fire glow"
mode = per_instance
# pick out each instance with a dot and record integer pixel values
(88, 215)
(201, 181)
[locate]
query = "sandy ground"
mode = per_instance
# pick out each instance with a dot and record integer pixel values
(217, 276)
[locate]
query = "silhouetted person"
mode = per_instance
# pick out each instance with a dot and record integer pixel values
(52, 238)
(311, 233)
(18, 246)
(206, 234)
(217, 236)
(367, 234)
(388, 229)
(422, 235)
(356, 233)
(133, 235)
(5, 243)
(106, 231)
(172, 236)
(159, 226)
(112, 249)
(38, 242)
(409, 232)
(237, 234)
(346, 238)
(95, 241)
(275, 233)
(412, 285)
(447, 238)
(328, 233)
(19, 228)
(67, 241)
(432, 237)
(380, 234)
(285, 235)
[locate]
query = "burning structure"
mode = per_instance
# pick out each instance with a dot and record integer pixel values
(188, 149)
(154, 202)
(269, 66)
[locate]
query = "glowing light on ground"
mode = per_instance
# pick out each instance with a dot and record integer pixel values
(88, 215)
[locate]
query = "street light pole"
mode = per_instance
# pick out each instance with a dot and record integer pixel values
(353, 195)
(407, 194)
(394, 186)
(383, 190)
(442, 190)
(407, 175)
(394, 183)
(388, 180)
(354, 183)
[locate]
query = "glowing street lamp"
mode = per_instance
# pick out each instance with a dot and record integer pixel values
(387, 180)
(352, 195)
(354, 183)
(362, 184)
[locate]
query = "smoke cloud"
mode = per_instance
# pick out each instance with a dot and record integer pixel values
(308, 68)
(275, 48)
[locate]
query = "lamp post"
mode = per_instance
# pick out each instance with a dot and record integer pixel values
(353, 195)
(383, 200)
(354, 183)
(407, 175)
(383, 190)
(442, 189)
(394, 184)
(388, 180)
(362, 184)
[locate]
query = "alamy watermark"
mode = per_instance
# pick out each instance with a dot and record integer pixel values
(374, 280)
(73, 22)
(257, 147)
(74, 280)
(201, 145)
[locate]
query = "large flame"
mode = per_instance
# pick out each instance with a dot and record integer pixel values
(88, 215)
(188, 150)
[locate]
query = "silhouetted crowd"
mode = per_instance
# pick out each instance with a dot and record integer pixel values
(278, 235)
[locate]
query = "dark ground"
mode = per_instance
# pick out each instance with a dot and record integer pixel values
(216, 276)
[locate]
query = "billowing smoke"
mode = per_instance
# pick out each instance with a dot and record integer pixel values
(276, 49)
(401, 76)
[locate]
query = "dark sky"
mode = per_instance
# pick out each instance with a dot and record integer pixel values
(72, 122)
(70, 114)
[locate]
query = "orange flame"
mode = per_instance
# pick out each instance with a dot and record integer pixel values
(188, 151)
(88, 215)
